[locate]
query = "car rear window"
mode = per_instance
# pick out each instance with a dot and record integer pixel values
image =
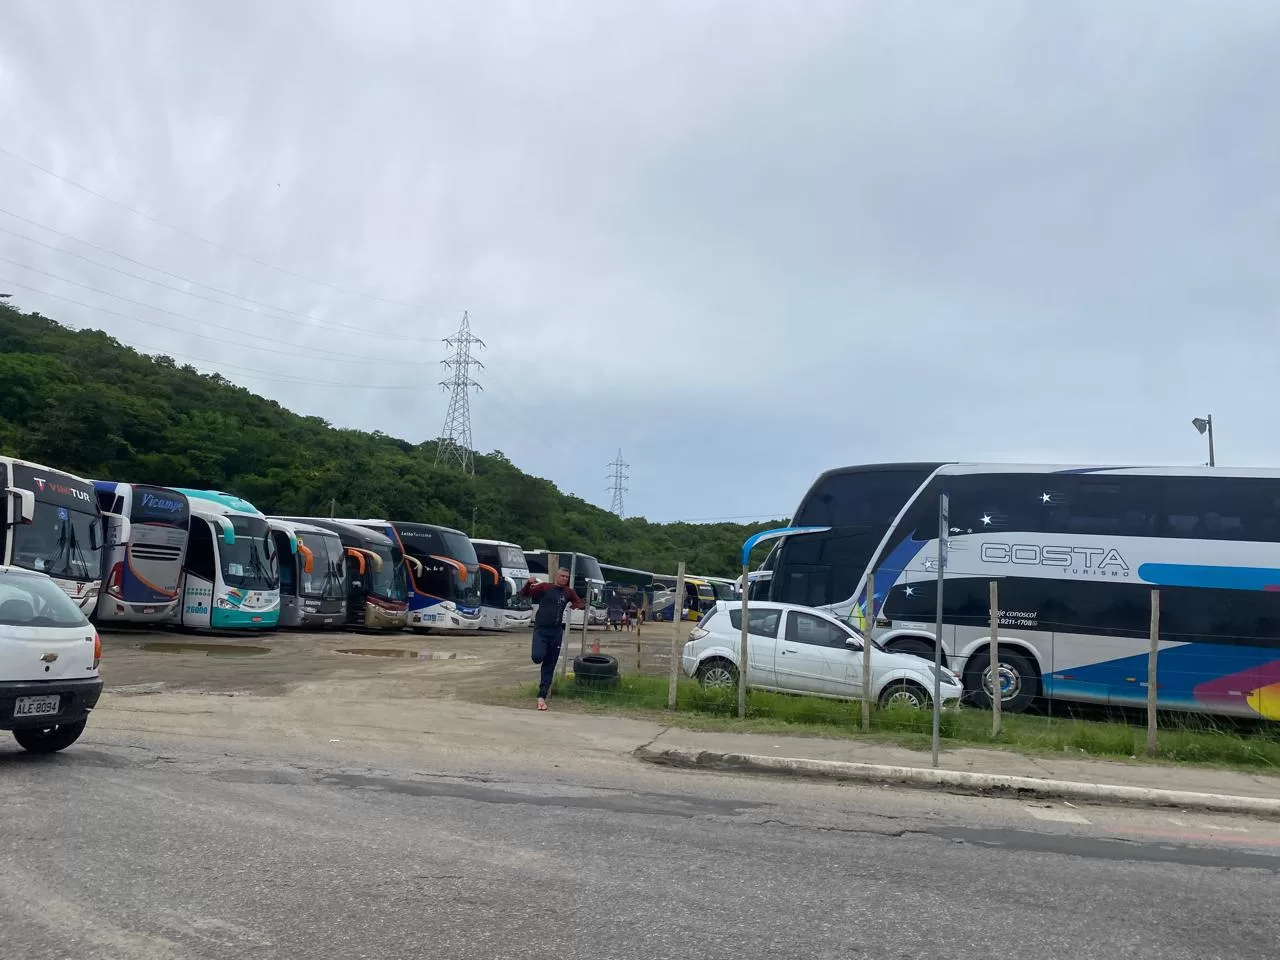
(31, 601)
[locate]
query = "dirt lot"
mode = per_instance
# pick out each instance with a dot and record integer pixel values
(403, 665)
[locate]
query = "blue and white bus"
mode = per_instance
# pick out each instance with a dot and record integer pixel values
(232, 575)
(1076, 552)
(444, 575)
(503, 574)
(142, 565)
(51, 523)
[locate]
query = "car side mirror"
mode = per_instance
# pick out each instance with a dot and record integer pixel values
(853, 643)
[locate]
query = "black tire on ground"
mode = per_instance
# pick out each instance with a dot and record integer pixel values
(717, 673)
(595, 665)
(1021, 670)
(914, 646)
(906, 694)
(49, 740)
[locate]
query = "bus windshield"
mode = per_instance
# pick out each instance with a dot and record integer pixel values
(60, 541)
(158, 507)
(325, 579)
(387, 579)
(458, 547)
(251, 563)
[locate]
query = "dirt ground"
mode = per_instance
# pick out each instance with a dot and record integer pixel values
(403, 665)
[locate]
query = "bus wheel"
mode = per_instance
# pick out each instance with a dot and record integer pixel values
(1019, 680)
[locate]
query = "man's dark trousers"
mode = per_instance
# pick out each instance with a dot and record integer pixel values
(546, 651)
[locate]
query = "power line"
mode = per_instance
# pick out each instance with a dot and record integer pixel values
(182, 316)
(311, 321)
(455, 438)
(152, 352)
(618, 480)
(196, 236)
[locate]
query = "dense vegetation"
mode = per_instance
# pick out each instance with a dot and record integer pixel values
(82, 401)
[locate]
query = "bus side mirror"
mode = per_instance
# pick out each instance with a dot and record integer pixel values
(25, 504)
(228, 531)
(308, 558)
(121, 523)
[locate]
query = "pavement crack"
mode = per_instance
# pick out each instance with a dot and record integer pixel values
(645, 746)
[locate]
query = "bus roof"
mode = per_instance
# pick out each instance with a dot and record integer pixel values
(298, 526)
(498, 543)
(614, 566)
(347, 531)
(18, 461)
(959, 467)
(212, 499)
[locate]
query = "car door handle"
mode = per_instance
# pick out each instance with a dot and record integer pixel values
(791, 650)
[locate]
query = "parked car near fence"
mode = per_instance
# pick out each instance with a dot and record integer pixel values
(795, 649)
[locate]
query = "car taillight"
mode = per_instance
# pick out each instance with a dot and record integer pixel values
(97, 650)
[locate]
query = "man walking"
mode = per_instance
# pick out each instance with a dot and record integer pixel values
(548, 625)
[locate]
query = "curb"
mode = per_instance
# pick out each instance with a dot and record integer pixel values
(960, 781)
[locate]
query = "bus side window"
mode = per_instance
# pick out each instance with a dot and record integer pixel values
(200, 557)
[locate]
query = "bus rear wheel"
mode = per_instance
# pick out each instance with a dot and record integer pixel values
(1019, 680)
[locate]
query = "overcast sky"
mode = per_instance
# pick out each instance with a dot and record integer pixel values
(743, 241)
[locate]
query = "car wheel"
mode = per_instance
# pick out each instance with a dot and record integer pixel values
(717, 674)
(49, 739)
(904, 693)
(1019, 680)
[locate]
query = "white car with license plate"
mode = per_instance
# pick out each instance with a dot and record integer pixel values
(795, 649)
(49, 656)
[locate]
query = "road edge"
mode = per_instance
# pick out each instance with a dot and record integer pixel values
(958, 781)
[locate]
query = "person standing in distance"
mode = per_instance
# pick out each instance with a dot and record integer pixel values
(548, 625)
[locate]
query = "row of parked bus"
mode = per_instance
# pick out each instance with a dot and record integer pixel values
(204, 559)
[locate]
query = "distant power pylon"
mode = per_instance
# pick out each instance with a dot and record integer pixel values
(618, 485)
(454, 445)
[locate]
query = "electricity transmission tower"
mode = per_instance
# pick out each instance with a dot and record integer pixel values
(454, 445)
(618, 478)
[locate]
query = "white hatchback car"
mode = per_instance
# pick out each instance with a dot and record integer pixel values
(794, 649)
(49, 656)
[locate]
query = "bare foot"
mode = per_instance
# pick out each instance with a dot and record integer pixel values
(542, 704)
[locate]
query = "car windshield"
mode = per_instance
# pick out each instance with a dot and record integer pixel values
(251, 563)
(325, 579)
(27, 600)
(60, 541)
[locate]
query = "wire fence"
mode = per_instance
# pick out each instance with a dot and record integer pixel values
(1077, 673)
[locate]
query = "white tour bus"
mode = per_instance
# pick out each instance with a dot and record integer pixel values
(232, 577)
(142, 566)
(1076, 552)
(52, 524)
(503, 574)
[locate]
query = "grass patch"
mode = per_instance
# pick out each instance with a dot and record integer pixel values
(1183, 738)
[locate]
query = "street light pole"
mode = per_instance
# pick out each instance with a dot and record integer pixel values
(1205, 426)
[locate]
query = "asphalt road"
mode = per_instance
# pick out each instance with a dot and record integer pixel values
(141, 845)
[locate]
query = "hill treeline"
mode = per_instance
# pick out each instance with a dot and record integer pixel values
(82, 401)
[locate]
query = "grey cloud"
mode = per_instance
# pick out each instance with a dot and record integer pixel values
(743, 241)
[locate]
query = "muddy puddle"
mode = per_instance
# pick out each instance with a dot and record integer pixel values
(407, 654)
(208, 649)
